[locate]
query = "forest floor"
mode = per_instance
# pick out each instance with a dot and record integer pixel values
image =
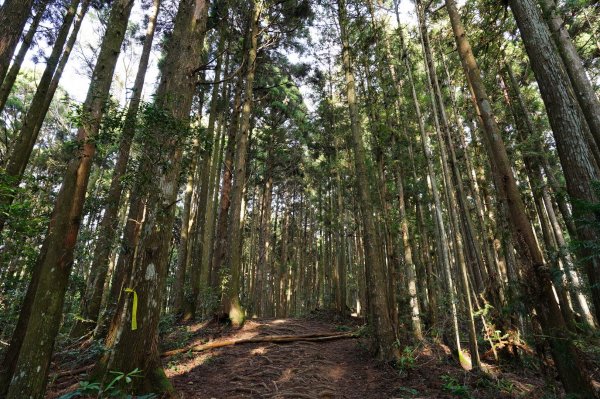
(337, 368)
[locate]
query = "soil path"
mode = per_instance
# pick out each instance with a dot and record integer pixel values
(340, 369)
(331, 369)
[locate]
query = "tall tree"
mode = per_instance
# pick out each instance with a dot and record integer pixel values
(134, 346)
(583, 89)
(28, 358)
(568, 362)
(231, 300)
(21, 152)
(13, 17)
(108, 225)
(569, 128)
(379, 307)
(11, 76)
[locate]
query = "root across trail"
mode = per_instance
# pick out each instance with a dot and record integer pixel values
(269, 338)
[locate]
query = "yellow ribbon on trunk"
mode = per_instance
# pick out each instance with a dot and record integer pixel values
(134, 310)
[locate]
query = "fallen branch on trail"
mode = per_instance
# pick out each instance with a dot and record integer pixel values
(266, 338)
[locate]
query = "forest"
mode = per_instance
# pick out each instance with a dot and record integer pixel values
(299, 199)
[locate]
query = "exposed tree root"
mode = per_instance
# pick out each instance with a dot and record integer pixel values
(72, 372)
(268, 338)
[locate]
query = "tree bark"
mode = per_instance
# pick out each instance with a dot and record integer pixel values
(568, 125)
(584, 91)
(108, 225)
(41, 316)
(568, 362)
(13, 17)
(21, 152)
(230, 303)
(131, 348)
(379, 309)
(13, 72)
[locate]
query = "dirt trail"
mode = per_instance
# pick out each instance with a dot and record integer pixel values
(340, 368)
(331, 369)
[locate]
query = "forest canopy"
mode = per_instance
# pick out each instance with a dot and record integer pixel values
(422, 174)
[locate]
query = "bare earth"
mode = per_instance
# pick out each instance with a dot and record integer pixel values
(341, 368)
(332, 369)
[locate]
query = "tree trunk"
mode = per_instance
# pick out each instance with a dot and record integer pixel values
(441, 124)
(10, 78)
(13, 17)
(568, 362)
(21, 152)
(108, 225)
(568, 125)
(130, 347)
(584, 91)
(231, 302)
(379, 309)
(43, 314)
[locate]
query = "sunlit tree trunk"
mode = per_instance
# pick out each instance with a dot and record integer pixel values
(568, 362)
(42, 309)
(108, 225)
(131, 346)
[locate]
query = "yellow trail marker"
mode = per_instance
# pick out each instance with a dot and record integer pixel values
(134, 310)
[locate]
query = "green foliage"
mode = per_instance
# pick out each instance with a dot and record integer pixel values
(407, 359)
(119, 387)
(404, 392)
(587, 216)
(455, 388)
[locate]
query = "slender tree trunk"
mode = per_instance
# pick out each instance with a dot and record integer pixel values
(42, 311)
(441, 124)
(568, 125)
(584, 91)
(200, 269)
(438, 217)
(21, 152)
(226, 184)
(131, 347)
(408, 260)
(231, 300)
(568, 362)
(379, 314)
(10, 78)
(110, 220)
(13, 17)
(542, 194)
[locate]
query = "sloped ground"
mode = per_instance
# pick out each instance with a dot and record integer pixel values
(339, 368)
(332, 369)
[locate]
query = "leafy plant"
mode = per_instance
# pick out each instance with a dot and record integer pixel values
(454, 387)
(403, 391)
(116, 388)
(406, 361)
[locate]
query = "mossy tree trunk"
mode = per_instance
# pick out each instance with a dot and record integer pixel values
(131, 348)
(108, 226)
(41, 314)
(568, 362)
